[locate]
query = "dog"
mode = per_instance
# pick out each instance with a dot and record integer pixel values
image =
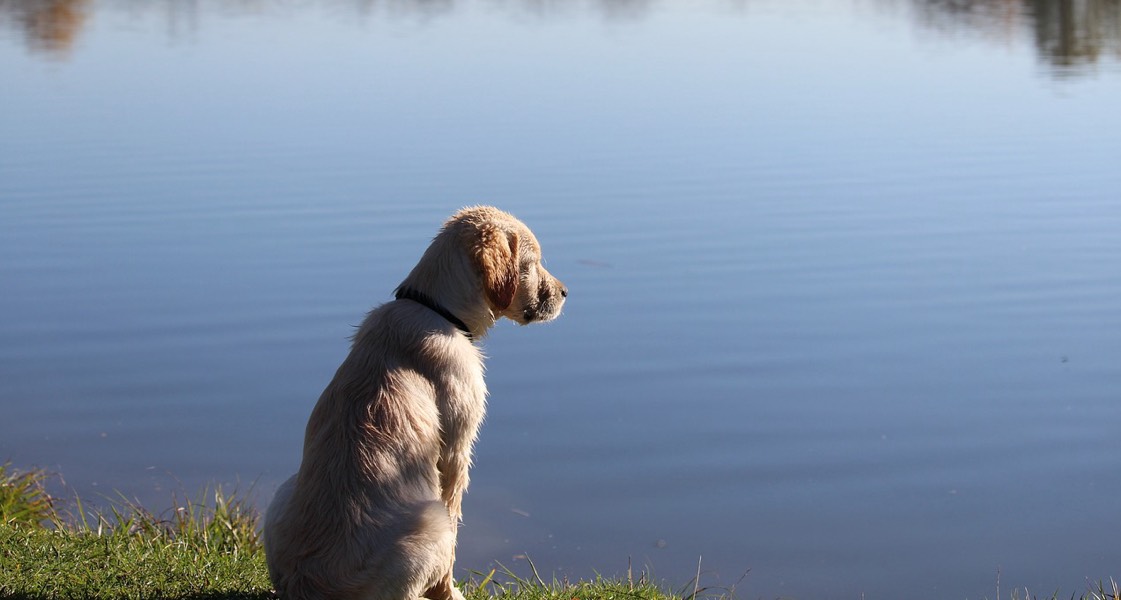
(374, 509)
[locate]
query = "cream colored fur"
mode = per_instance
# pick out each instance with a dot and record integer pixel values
(373, 512)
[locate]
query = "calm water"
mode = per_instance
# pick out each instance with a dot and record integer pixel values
(845, 274)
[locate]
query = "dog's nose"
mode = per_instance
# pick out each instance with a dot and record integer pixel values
(564, 292)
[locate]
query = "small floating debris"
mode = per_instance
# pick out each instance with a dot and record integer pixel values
(599, 264)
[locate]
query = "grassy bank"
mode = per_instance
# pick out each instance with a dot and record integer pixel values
(204, 549)
(209, 549)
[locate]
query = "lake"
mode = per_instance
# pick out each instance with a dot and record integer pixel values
(844, 274)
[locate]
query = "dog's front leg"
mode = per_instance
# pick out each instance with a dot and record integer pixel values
(453, 467)
(453, 480)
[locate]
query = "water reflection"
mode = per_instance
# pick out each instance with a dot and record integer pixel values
(1073, 33)
(49, 26)
(1068, 34)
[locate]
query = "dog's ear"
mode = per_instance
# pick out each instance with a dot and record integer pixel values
(496, 255)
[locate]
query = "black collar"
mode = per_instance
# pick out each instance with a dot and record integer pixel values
(404, 293)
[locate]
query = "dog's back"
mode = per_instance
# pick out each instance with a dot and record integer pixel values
(367, 502)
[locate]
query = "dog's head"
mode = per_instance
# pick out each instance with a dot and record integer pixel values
(507, 257)
(485, 264)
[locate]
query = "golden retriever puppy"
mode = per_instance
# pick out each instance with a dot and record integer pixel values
(373, 511)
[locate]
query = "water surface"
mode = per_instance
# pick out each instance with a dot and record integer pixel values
(844, 274)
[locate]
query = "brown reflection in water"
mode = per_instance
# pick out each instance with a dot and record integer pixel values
(1066, 33)
(49, 26)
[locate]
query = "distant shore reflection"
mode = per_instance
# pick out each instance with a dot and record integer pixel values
(49, 26)
(1068, 35)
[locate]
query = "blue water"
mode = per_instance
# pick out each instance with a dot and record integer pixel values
(844, 275)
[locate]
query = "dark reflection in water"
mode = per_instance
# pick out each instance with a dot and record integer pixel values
(1068, 34)
(1071, 33)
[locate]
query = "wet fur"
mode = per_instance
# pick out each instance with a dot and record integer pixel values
(373, 511)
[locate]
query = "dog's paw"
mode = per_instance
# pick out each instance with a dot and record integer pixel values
(444, 591)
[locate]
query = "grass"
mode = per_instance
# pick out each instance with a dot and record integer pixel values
(23, 500)
(210, 549)
(203, 549)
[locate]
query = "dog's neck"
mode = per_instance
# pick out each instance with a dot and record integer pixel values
(447, 277)
(408, 293)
